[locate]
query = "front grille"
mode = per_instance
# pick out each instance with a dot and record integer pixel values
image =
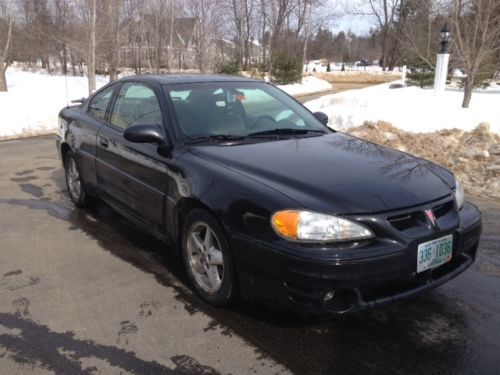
(442, 209)
(407, 220)
(414, 222)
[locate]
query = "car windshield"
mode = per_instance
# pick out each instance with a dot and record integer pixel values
(228, 110)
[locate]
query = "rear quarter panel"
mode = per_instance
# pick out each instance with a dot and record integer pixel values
(79, 132)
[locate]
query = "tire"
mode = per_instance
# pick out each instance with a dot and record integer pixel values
(74, 181)
(211, 273)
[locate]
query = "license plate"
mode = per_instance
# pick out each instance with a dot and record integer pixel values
(434, 253)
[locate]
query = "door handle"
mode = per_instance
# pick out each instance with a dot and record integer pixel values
(103, 142)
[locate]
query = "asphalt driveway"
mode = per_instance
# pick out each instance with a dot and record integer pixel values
(82, 291)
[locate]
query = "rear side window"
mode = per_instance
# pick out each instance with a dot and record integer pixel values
(100, 102)
(136, 104)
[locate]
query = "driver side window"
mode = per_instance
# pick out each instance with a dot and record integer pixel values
(136, 104)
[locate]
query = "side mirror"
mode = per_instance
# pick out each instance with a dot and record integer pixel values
(321, 116)
(144, 134)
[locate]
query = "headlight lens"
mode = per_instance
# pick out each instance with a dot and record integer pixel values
(306, 226)
(459, 194)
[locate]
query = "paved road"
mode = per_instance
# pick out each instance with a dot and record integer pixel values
(337, 87)
(81, 291)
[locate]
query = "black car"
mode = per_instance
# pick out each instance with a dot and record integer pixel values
(262, 199)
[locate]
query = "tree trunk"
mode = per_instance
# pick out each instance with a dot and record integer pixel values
(3, 58)
(157, 44)
(63, 59)
(115, 54)
(246, 55)
(91, 63)
(171, 41)
(3, 80)
(73, 63)
(306, 37)
(468, 92)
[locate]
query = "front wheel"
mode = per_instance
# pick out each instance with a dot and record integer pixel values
(207, 258)
(74, 181)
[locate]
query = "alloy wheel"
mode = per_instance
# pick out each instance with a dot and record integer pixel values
(205, 257)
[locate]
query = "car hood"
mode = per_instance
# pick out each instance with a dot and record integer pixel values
(336, 172)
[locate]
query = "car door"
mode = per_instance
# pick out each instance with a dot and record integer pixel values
(84, 129)
(133, 175)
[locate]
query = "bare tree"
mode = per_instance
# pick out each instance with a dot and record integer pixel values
(420, 32)
(4, 53)
(208, 25)
(476, 31)
(114, 8)
(386, 13)
(312, 15)
(91, 66)
(307, 30)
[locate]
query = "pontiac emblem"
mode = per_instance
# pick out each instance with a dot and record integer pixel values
(430, 217)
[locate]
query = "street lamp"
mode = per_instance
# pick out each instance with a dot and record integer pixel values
(442, 61)
(444, 38)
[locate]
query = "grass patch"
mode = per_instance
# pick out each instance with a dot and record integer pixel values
(359, 77)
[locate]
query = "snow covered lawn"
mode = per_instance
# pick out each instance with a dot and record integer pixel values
(309, 85)
(33, 101)
(410, 108)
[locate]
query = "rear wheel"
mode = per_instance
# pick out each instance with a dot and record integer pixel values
(207, 258)
(74, 181)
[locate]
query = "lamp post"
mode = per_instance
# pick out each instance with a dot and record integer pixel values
(442, 61)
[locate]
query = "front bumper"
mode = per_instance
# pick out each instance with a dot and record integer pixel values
(331, 281)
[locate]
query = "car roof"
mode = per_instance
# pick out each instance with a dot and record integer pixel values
(172, 79)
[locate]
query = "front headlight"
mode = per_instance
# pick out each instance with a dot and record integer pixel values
(309, 226)
(459, 194)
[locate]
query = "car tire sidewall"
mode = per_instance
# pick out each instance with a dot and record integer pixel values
(228, 291)
(82, 199)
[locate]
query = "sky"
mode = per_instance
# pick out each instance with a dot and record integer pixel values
(358, 24)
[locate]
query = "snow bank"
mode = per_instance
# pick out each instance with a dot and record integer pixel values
(309, 85)
(410, 108)
(34, 100)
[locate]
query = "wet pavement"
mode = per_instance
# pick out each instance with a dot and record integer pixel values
(82, 291)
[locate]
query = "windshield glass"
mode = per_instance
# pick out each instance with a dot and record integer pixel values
(238, 109)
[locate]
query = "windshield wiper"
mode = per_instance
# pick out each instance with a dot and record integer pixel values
(286, 131)
(212, 138)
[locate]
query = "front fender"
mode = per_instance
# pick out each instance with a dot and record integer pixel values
(240, 203)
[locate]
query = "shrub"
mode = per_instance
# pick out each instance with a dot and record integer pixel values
(483, 77)
(286, 67)
(421, 79)
(257, 73)
(232, 67)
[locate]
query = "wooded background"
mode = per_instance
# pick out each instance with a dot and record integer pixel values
(156, 36)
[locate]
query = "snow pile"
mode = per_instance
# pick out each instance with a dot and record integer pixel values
(410, 108)
(33, 101)
(309, 85)
(474, 156)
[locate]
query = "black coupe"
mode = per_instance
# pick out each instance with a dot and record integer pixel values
(262, 199)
